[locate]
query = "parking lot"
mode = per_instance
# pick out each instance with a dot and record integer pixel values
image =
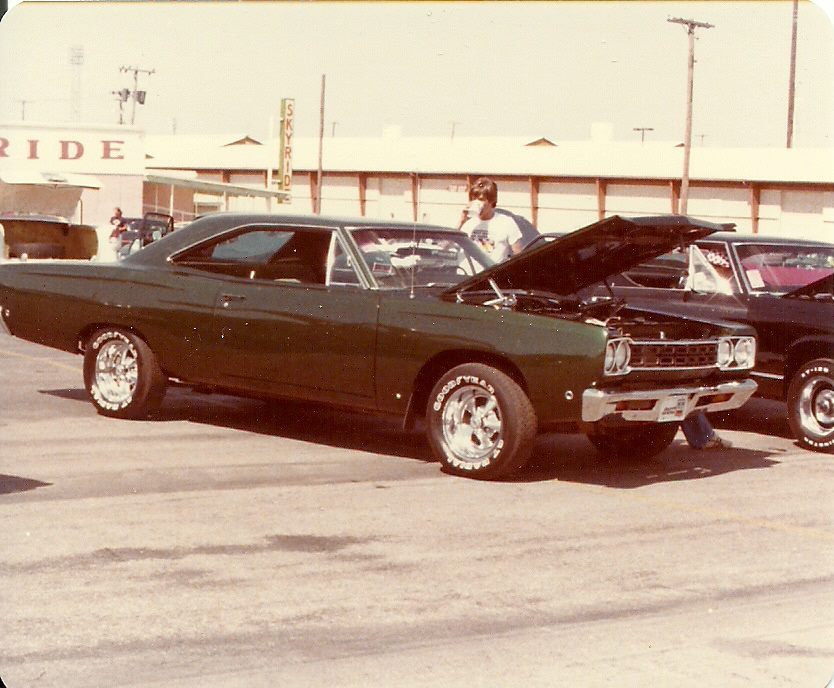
(243, 543)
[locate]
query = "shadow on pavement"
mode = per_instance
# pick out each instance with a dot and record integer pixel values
(555, 457)
(73, 394)
(571, 458)
(757, 415)
(10, 484)
(308, 422)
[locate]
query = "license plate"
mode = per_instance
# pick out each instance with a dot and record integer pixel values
(673, 408)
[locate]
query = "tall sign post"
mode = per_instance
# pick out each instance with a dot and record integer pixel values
(285, 143)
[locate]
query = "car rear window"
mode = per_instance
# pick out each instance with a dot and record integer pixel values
(781, 268)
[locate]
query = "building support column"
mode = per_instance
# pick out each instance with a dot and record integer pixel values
(415, 193)
(755, 200)
(363, 192)
(675, 196)
(313, 187)
(534, 200)
(602, 187)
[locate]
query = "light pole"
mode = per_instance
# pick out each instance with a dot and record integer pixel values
(690, 25)
(317, 204)
(452, 136)
(792, 76)
(643, 131)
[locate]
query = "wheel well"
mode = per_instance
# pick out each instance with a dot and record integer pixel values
(802, 353)
(87, 332)
(440, 363)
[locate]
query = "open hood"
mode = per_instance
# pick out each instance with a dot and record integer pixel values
(589, 255)
(822, 287)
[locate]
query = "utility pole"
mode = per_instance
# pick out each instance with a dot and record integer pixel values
(452, 137)
(136, 93)
(690, 25)
(317, 208)
(76, 60)
(121, 95)
(643, 131)
(792, 77)
(23, 108)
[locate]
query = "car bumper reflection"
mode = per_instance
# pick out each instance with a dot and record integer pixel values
(664, 405)
(4, 312)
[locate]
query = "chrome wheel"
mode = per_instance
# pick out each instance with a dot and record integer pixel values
(471, 424)
(815, 406)
(116, 372)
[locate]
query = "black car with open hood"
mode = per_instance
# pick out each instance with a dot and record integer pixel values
(782, 287)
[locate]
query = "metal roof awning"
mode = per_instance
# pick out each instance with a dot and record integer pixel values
(53, 179)
(221, 188)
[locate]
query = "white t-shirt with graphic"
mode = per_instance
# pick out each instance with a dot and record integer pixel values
(495, 236)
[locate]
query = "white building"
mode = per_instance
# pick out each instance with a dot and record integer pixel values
(557, 185)
(83, 171)
(79, 172)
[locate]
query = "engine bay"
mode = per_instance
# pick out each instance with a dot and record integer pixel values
(609, 312)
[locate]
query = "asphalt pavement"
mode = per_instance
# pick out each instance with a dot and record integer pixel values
(233, 542)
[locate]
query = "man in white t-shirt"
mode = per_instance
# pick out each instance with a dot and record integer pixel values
(497, 234)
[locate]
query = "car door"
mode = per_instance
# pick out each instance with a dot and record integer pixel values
(282, 324)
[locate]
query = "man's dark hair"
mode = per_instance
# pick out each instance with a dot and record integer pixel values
(484, 189)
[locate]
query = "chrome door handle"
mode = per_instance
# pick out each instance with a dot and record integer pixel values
(228, 298)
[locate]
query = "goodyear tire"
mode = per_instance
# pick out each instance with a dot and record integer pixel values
(811, 405)
(122, 374)
(480, 423)
(633, 442)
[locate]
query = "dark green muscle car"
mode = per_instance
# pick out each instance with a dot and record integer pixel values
(401, 319)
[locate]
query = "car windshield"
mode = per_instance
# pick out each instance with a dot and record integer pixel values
(405, 258)
(780, 268)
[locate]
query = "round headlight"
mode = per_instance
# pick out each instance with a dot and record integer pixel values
(745, 352)
(725, 352)
(622, 355)
(609, 356)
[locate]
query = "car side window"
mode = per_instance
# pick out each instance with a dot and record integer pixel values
(265, 253)
(340, 267)
(710, 270)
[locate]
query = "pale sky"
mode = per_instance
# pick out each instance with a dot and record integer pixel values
(493, 69)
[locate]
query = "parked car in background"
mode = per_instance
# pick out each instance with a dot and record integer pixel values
(141, 231)
(30, 235)
(783, 288)
(401, 319)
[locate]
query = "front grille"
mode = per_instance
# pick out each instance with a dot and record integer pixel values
(673, 355)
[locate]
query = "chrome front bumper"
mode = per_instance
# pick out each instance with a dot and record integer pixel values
(664, 405)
